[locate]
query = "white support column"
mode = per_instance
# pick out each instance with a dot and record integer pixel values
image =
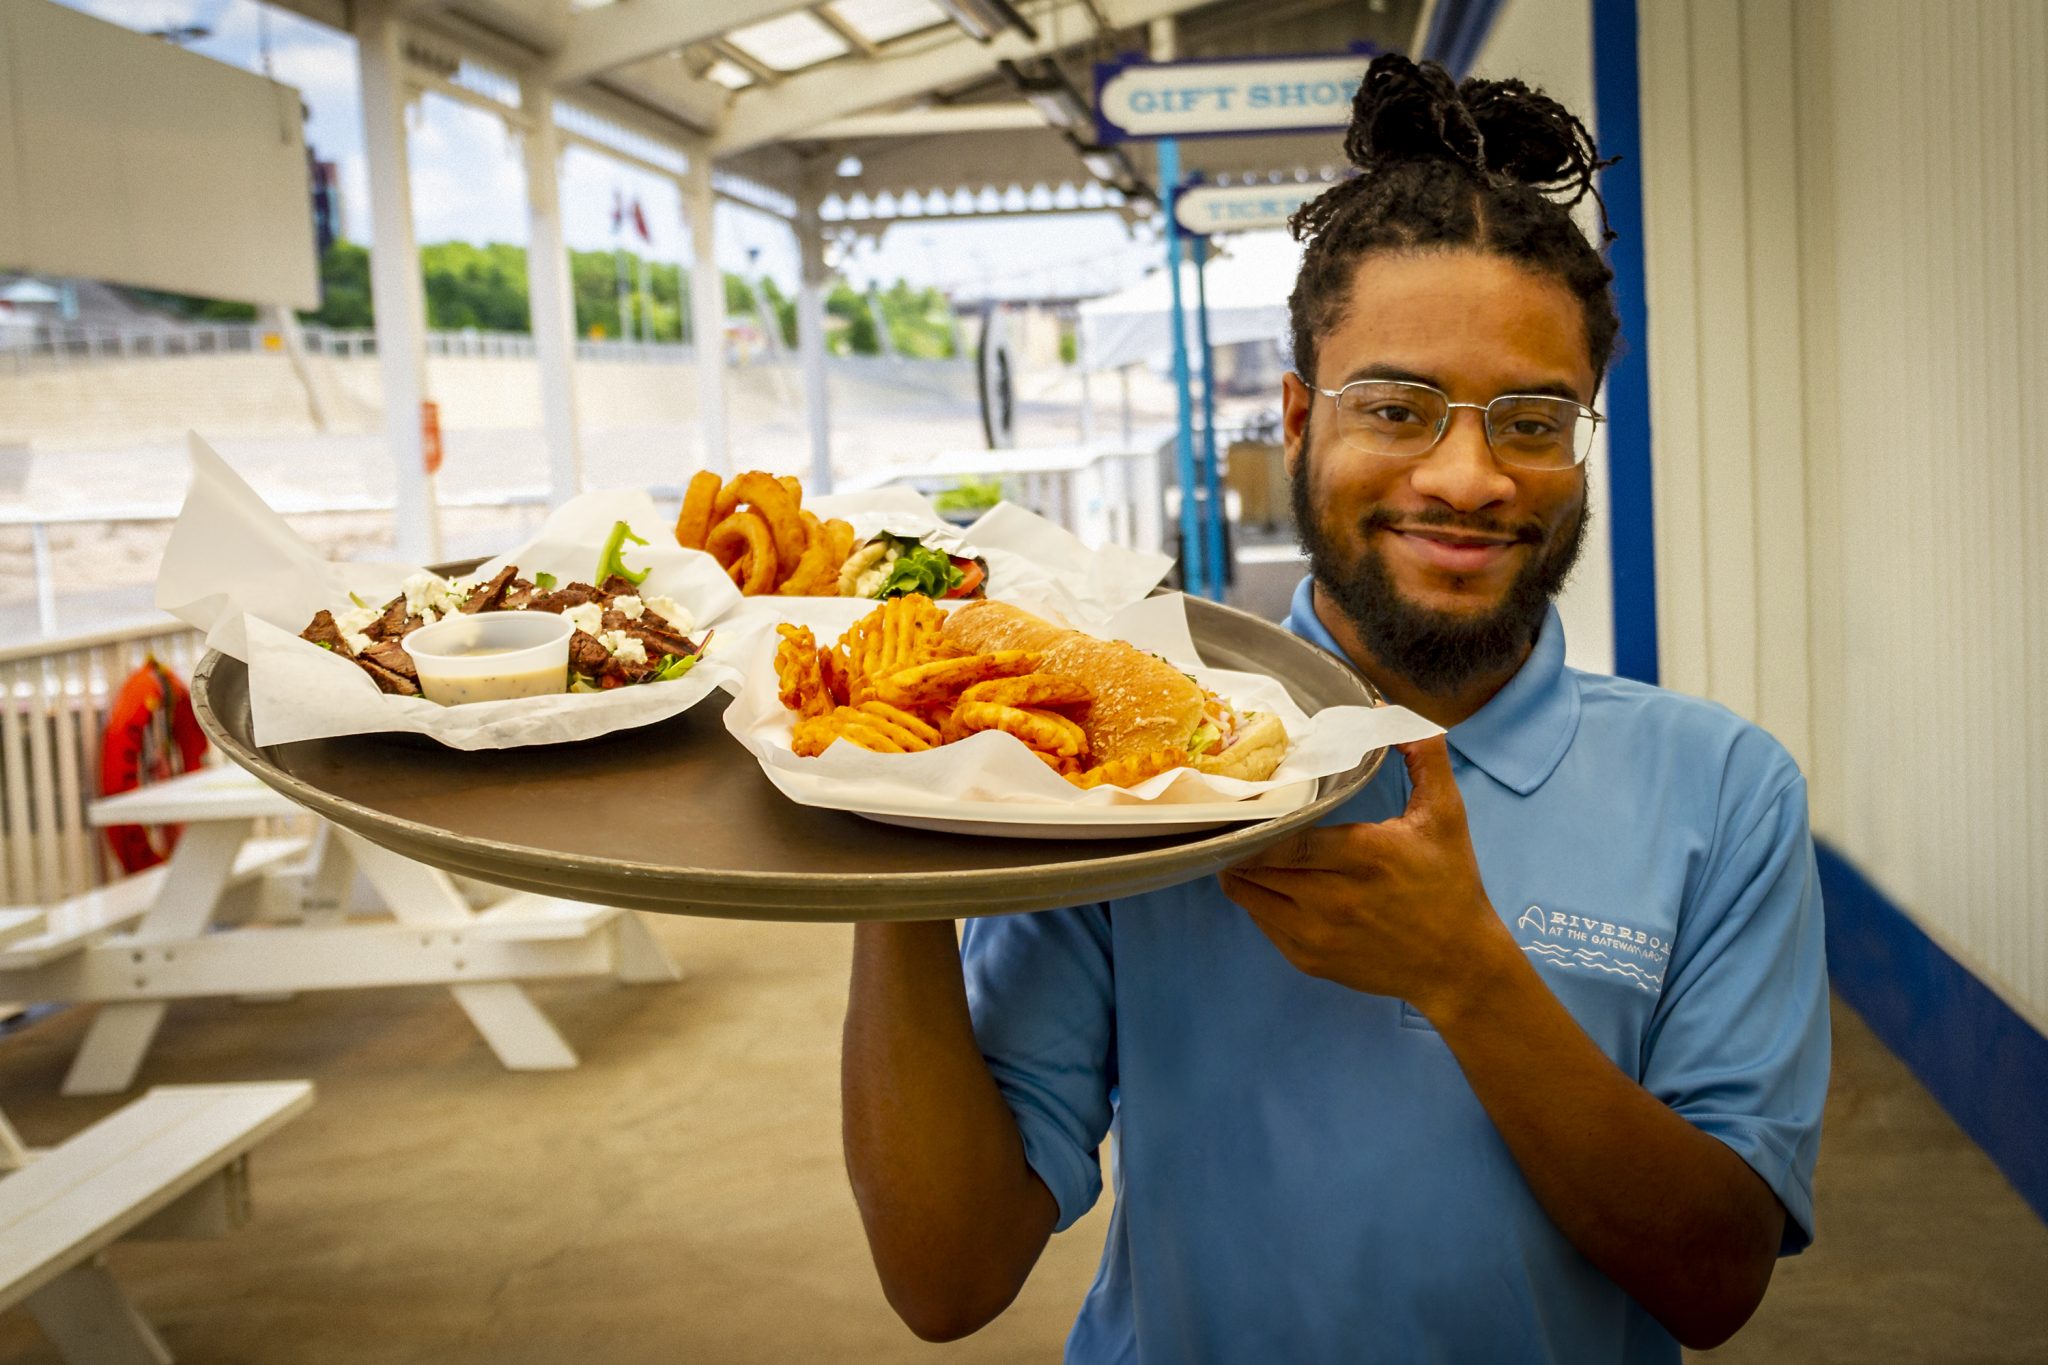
(550, 302)
(395, 290)
(707, 311)
(810, 329)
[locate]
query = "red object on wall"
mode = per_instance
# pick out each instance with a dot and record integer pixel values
(430, 435)
(151, 735)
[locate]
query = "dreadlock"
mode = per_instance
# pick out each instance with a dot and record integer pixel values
(1486, 164)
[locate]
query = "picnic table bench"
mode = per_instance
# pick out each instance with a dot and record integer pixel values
(134, 946)
(171, 1164)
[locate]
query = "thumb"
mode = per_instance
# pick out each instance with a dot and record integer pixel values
(1435, 792)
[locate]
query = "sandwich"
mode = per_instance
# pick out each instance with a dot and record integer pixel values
(892, 566)
(1143, 705)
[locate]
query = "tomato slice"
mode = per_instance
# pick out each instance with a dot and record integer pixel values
(974, 575)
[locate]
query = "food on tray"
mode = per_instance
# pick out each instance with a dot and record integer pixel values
(492, 656)
(1145, 710)
(619, 636)
(891, 565)
(755, 525)
(906, 678)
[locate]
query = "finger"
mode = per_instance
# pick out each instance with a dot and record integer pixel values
(1274, 914)
(1435, 792)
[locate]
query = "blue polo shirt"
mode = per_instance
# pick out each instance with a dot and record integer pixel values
(1302, 1172)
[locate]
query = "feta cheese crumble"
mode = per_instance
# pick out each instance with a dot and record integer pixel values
(588, 618)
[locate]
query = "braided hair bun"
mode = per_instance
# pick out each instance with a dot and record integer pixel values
(1489, 164)
(1498, 130)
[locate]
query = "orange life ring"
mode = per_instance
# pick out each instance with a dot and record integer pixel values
(151, 735)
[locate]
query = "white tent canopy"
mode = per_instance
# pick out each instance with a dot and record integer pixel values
(1248, 292)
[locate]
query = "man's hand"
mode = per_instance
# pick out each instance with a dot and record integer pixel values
(1395, 908)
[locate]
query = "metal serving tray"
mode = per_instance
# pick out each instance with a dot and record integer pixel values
(677, 817)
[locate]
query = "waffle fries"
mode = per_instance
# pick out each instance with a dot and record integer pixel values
(892, 685)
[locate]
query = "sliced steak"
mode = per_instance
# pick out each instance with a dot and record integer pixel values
(518, 596)
(587, 654)
(393, 623)
(489, 596)
(618, 585)
(391, 655)
(388, 680)
(325, 633)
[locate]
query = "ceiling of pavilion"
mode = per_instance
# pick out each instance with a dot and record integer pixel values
(891, 108)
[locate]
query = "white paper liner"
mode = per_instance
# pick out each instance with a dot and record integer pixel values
(1029, 558)
(993, 769)
(236, 570)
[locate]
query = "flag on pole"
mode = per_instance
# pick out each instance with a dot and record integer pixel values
(640, 224)
(618, 209)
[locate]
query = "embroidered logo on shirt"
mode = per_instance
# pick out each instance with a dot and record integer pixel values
(1574, 942)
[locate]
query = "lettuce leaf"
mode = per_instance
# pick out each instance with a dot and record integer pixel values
(921, 570)
(613, 560)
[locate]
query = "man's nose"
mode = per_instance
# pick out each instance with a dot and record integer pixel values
(1461, 470)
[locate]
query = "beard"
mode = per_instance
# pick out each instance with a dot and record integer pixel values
(1438, 652)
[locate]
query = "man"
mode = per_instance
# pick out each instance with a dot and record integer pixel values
(1522, 1056)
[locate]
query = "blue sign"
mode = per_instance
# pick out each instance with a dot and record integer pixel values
(1145, 101)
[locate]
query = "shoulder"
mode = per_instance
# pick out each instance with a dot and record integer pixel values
(1672, 738)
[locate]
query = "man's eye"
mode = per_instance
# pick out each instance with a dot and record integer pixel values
(1531, 427)
(1394, 414)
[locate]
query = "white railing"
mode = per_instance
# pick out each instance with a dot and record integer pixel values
(79, 344)
(53, 714)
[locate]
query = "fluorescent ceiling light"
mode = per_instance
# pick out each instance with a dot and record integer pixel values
(790, 43)
(731, 75)
(982, 20)
(880, 21)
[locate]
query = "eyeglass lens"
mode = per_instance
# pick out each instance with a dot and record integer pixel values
(1387, 417)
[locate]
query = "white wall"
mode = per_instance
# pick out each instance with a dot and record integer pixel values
(1847, 213)
(1549, 44)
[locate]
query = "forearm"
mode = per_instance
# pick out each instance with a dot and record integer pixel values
(955, 1216)
(1668, 1212)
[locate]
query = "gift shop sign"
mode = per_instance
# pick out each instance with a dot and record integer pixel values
(1142, 100)
(1208, 209)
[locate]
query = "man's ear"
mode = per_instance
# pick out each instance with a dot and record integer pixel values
(1295, 398)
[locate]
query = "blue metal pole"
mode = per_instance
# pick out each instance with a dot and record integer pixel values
(1191, 575)
(1212, 544)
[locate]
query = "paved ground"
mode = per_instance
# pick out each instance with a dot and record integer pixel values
(680, 1197)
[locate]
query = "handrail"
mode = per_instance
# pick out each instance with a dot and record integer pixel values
(145, 630)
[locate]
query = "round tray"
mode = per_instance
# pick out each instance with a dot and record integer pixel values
(677, 817)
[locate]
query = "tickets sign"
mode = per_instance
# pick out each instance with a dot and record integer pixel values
(1145, 100)
(1207, 209)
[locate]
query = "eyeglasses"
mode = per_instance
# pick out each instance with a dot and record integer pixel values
(1394, 418)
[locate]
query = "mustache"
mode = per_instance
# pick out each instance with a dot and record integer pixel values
(1442, 518)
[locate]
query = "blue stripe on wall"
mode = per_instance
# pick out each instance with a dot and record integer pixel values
(1631, 533)
(1985, 1064)
(1457, 30)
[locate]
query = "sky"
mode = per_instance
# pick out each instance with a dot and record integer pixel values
(469, 184)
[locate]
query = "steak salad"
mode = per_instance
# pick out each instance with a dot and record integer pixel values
(621, 638)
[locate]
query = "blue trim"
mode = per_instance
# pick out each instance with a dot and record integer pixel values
(1457, 30)
(1212, 496)
(1986, 1065)
(1192, 580)
(1631, 527)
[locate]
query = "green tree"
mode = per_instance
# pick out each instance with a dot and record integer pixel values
(344, 288)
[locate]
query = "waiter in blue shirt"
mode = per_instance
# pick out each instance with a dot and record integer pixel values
(1522, 1055)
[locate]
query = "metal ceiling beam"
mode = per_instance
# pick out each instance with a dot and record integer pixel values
(810, 98)
(954, 118)
(614, 35)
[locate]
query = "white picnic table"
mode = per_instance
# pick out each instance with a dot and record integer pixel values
(138, 944)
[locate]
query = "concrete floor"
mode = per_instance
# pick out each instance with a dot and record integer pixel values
(680, 1197)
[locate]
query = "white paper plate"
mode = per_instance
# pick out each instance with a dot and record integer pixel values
(1019, 820)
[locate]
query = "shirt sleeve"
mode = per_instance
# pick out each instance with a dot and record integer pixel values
(1739, 1042)
(1041, 991)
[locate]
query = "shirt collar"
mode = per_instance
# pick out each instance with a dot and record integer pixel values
(1520, 736)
